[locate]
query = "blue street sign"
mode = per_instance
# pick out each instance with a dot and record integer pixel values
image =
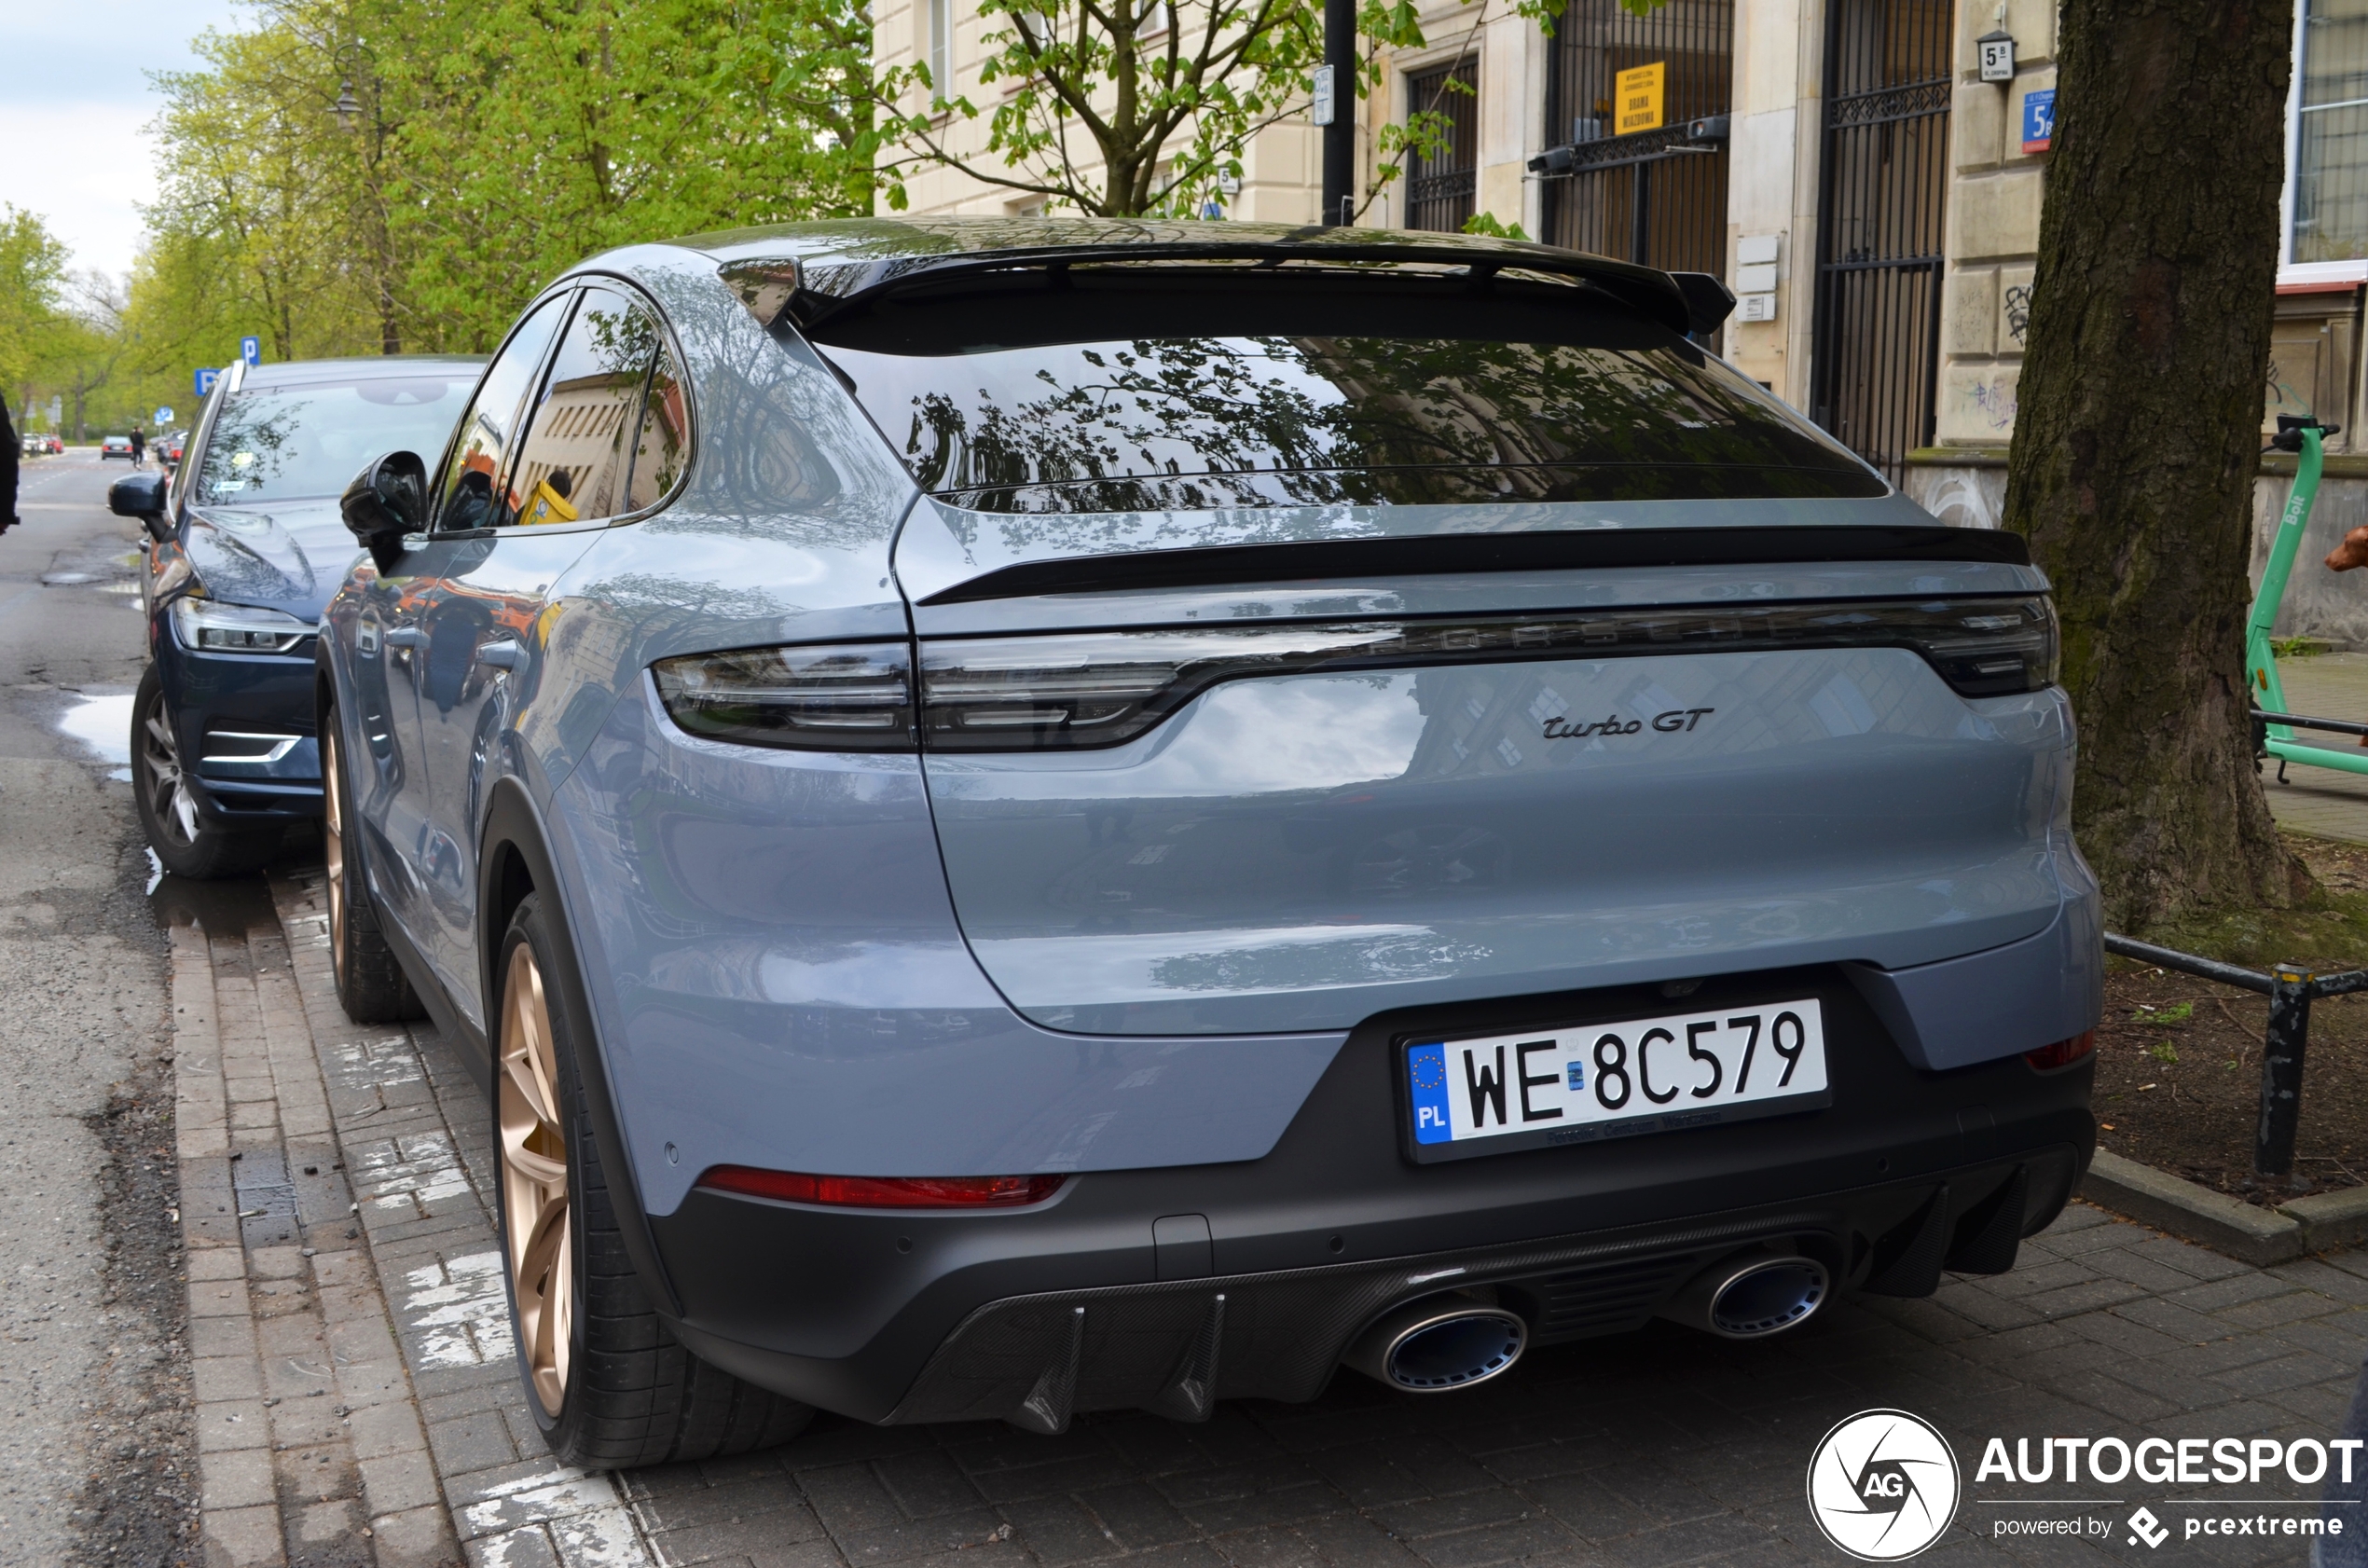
(164, 413)
(2039, 121)
(205, 380)
(251, 350)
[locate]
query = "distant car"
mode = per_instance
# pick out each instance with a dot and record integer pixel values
(169, 448)
(31, 446)
(115, 447)
(246, 544)
(56, 442)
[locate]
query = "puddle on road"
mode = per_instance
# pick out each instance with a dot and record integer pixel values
(104, 724)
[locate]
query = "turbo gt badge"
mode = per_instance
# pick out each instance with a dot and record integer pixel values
(1677, 719)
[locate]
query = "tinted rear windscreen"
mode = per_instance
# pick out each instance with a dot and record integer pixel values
(1108, 393)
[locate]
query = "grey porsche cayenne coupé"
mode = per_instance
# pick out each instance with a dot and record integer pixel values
(1027, 818)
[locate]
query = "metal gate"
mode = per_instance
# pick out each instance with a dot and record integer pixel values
(1876, 352)
(1659, 196)
(1439, 192)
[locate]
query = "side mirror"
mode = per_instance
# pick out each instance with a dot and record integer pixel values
(138, 495)
(387, 500)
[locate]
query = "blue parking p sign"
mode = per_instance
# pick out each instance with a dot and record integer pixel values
(205, 380)
(251, 350)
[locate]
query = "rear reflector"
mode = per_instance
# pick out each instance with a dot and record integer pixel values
(2063, 1053)
(883, 1192)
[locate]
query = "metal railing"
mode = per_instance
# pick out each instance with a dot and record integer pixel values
(2291, 989)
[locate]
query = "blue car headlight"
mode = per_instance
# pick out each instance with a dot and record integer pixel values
(209, 628)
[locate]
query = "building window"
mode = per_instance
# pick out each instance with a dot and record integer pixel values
(2330, 209)
(1439, 190)
(941, 48)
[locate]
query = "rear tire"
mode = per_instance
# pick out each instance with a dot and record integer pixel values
(607, 1386)
(185, 843)
(371, 985)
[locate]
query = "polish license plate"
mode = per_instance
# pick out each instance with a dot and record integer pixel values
(1496, 1093)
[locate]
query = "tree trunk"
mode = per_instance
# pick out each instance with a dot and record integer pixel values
(2137, 434)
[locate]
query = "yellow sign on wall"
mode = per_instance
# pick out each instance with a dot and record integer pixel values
(1638, 106)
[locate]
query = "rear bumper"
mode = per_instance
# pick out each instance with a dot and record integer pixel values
(932, 1315)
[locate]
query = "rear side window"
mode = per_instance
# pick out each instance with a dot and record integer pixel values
(662, 438)
(1123, 391)
(465, 491)
(579, 448)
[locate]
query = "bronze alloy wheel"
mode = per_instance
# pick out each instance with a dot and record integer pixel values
(534, 1181)
(332, 843)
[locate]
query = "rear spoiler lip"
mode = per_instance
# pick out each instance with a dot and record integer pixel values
(1571, 550)
(809, 305)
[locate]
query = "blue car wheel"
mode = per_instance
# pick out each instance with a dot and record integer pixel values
(185, 842)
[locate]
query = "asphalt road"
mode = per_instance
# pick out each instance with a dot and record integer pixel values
(93, 1431)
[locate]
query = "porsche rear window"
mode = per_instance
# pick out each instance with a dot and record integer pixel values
(1123, 393)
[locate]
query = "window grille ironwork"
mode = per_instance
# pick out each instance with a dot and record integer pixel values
(1876, 335)
(1657, 196)
(1439, 192)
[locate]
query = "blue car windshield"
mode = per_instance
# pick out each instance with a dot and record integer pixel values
(277, 443)
(1125, 392)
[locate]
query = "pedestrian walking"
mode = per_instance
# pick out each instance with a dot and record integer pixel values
(139, 448)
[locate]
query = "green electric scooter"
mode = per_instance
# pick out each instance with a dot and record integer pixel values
(2273, 725)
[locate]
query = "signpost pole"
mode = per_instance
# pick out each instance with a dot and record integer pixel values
(1338, 115)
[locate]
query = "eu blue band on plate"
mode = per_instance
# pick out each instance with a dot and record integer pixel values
(1426, 1084)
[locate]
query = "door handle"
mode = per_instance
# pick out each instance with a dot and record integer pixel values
(405, 637)
(502, 656)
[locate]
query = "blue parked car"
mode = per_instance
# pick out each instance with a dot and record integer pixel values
(1025, 818)
(245, 545)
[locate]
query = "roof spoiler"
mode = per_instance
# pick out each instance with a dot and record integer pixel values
(776, 290)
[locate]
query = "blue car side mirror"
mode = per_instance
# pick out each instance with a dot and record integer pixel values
(387, 500)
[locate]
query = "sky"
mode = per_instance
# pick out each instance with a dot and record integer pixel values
(74, 101)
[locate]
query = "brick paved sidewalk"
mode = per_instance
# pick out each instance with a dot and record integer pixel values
(309, 1438)
(1661, 1448)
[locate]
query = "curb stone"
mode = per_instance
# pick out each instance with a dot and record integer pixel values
(2242, 1231)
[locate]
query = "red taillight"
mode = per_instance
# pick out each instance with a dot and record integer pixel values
(884, 1192)
(2063, 1053)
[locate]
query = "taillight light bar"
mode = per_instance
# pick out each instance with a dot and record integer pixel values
(883, 1192)
(1076, 691)
(2063, 1053)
